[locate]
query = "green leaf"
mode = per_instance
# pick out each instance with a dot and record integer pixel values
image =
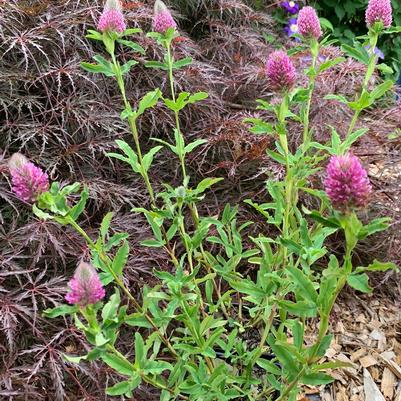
(152, 243)
(41, 214)
(360, 282)
(304, 284)
(340, 98)
(268, 366)
(333, 365)
(125, 387)
(301, 308)
(148, 101)
(74, 359)
(109, 312)
(137, 320)
(76, 211)
(119, 388)
(380, 90)
(323, 346)
(105, 225)
(207, 183)
(120, 259)
(97, 69)
(327, 222)
(182, 63)
(196, 97)
(330, 63)
(191, 146)
(101, 340)
(352, 138)
(316, 379)
(385, 69)
(125, 68)
(121, 365)
(94, 35)
(60, 311)
(148, 158)
(132, 45)
(377, 266)
(131, 31)
(140, 354)
(131, 159)
(156, 367)
(286, 358)
(358, 54)
(374, 226)
(156, 64)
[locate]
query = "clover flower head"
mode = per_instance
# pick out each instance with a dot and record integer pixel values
(280, 71)
(347, 183)
(308, 23)
(85, 288)
(112, 18)
(379, 11)
(28, 181)
(162, 18)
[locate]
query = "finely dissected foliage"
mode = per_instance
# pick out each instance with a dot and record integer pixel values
(66, 120)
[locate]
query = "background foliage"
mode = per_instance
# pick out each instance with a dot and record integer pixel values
(348, 19)
(50, 110)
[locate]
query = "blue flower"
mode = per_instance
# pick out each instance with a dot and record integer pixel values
(290, 6)
(377, 51)
(292, 27)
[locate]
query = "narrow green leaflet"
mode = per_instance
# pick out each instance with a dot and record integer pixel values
(120, 259)
(121, 365)
(60, 311)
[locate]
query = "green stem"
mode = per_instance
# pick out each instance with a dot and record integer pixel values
(170, 62)
(135, 134)
(134, 129)
(369, 72)
(315, 53)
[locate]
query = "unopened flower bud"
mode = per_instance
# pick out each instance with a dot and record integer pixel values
(28, 180)
(162, 18)
(85, 288)
(112, 18)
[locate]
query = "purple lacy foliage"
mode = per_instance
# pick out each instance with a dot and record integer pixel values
(379, 11)
(308, 23)
(85, 287)
(347, 183)
(280, 71)
(28, 180)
